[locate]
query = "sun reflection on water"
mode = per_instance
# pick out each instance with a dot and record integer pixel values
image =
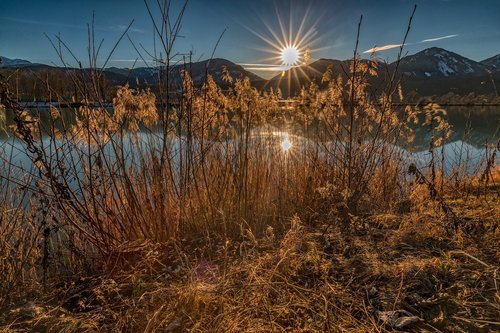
(286, 144)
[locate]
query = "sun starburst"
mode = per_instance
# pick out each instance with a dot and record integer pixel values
(289, 45)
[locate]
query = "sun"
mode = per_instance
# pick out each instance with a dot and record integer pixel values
(291, 38)
(290, 56)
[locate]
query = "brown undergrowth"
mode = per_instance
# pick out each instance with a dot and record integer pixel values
(387, 272)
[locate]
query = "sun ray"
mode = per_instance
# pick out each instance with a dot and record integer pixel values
(303, 22)
(281, 42)
(290, 31)
(305, 74)
(267, 40)
(282, 27)
(289, 39)
(307, 36)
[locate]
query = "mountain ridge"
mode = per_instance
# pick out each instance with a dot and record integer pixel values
(444, 64)
(433, 68)
(7, 62)
(438, 62)
(492, 62)
(149, 75)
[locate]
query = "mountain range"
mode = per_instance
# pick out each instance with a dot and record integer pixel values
(434, 71)
(437, 62)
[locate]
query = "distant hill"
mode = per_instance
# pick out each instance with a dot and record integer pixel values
(478, 85)
(213, 67)
(493, 63)
(28, 74)
(198, 71)
(438, 63)
(6, 62)
(148, 75)
(292, 80)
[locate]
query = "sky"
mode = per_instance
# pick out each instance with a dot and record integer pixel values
(250, 31)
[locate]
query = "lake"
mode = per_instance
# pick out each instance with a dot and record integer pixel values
(474, 128)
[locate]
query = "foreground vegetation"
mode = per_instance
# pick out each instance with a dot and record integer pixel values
(391, 272)
(183, 212)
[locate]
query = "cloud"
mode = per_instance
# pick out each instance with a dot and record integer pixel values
(382, 48)
(124, 60)
(122, 28)
(262, 65)
(269, 69)
(56, 24)
(438, 38)
(42, 23)
(134, 61)
(392, 46)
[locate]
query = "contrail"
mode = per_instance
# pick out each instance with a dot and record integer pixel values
(392, 46)
(437, 38)
(382, 48)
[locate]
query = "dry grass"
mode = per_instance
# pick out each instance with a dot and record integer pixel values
(304, 280)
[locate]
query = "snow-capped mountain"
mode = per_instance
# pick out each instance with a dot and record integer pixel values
(6, 62)
(433, 71)
(493, 63)
(436, 62)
